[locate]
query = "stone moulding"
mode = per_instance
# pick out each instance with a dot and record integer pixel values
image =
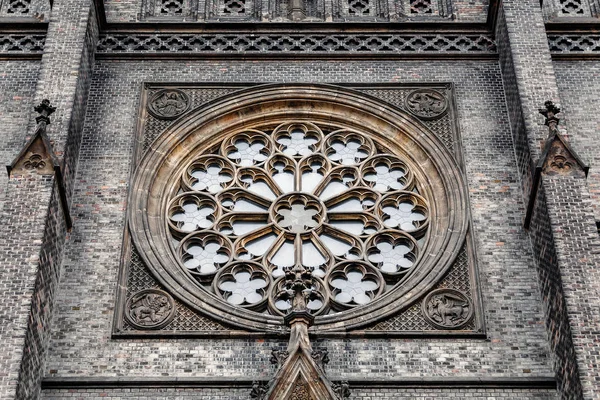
(372, 44)
(535, 382)
(206, 126)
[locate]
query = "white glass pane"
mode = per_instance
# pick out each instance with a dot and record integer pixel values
(285, 180)
(283, 305)
(354, 227)
(247, 206)
(350, 205)
(314, 304)
(284, 257)
(310, 181)
(259, 246)
(333, 189)
(262, 189)
(311, 256)
(242, 227)
(336, 246)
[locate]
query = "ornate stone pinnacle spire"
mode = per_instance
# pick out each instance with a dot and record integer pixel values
(550, 112)
(45, 110)
(299, 283)
(301, 372)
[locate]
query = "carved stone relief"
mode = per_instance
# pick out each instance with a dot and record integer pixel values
(168, 104)
(37, 154)
(37, 158)
(342, 389)
(427, 103)
(558, 158)
(35, 162)
(561, 161)
(448, 308)
(150, 309)
(300, 391)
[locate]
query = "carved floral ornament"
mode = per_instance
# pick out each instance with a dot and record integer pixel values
(273, 178)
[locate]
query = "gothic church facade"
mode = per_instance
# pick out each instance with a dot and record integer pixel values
(300, 199)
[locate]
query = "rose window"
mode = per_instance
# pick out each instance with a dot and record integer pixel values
(241, 189)
(331, 200)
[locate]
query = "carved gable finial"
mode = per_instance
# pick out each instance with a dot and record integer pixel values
(45, 110)
(301, 372)
(558, 158)
(299, 282)
(549, 112)
(37, 154)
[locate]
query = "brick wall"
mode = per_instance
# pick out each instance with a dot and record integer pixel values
(242, 394)
(529, 80)
(551, 283)
(516, 344)
(23, 221)
(33, 226)
(579, 85)
(471, 10)
(17, 88)
(577, 243)
(37, 334)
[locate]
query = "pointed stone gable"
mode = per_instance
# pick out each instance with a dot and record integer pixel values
(559, 158)
(35, 157)
(300, 378)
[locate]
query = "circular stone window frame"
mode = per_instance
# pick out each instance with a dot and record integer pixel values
(205, 127)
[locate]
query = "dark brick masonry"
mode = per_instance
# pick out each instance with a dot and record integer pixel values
(539, 287)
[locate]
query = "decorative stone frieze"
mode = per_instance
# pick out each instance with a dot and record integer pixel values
(16, 43)
(273, 43)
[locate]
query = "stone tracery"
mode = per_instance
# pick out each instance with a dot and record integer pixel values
(333, 202)
(296, 200)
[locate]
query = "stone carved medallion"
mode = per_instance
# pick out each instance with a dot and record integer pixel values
(168, 104)
(427, 103)
(150, 309)
(448, 308)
